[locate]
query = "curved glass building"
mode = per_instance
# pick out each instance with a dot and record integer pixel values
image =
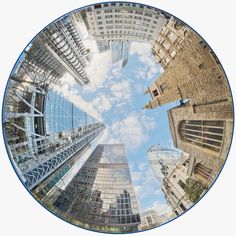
(160, 158)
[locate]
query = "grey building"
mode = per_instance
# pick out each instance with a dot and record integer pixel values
(124, 21)
(60, 44)
(149, 219)
(42, 129)
(101, 195)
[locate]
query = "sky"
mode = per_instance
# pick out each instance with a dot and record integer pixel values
(116, 97)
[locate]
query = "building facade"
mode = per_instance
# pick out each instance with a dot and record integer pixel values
(204, 134)
(122, 21)
(37, 142)
(61, 43)
(170, 40)
(202, 124)
(174, 184)
(149, 219)
(195, 74)
(101, 195)
(45, 189)
(119, 51)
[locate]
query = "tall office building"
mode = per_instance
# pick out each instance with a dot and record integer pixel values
(42, 129)
(159, 158)
(61, 43)
(101, 195)
(122, 21)
(46, 189)
(119, 51)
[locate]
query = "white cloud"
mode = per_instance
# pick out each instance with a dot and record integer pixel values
(131, 130)
(148, 122)
(102, 103)
(144, 52)
(145, 183)
(140, 48)
(98, 69)
(121, 91)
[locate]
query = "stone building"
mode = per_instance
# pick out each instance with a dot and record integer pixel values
(205, 133)
(124, 21)
(169, 41)
(195, 74)
(174, 184)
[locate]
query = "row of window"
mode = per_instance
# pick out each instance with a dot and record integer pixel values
(125, 24)
(204, 133)
(125, 17)
(124, 27)
(122, 33)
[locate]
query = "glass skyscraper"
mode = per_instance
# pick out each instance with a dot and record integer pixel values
(63, 115)
(160, 158)
(101, 195)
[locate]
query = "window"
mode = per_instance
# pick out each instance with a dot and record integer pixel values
(214, 57)
(203, 44)
(155, 93)
(201, 66)
(182, 206)
(202, 171)
(181, 184)
(148, 14)
(207, 134)
(96, 6)
(164, 87)
(173, 194)
(146, 19)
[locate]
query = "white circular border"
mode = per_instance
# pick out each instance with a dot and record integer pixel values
(20, 21)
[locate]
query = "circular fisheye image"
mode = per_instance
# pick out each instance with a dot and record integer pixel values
(117, 117)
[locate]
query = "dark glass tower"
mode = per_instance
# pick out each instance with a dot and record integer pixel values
(101, 195)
